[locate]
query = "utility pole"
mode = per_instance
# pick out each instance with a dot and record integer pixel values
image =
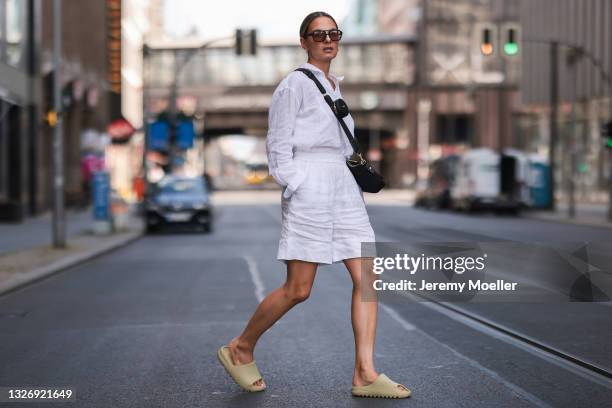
(610, 150)
(501, 102)
(173, 103)
(59, 216)
(572, 61)
(554, 119)
(145, 118)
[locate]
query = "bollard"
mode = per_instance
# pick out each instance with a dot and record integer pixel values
(120, 215)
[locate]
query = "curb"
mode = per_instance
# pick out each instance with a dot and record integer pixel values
(552, 218)
(37, 274)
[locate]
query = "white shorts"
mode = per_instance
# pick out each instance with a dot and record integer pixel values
(325, 219)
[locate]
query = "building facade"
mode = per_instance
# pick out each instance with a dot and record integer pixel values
(584, 95)
(19, 34)
(459, 99)
(463, 99)
(26, 90)
(85, 92)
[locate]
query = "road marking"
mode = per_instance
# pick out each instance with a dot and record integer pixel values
(518, 390)
(255, 277)
(395, 316)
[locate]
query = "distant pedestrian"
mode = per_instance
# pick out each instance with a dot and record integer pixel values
(90, 163)
(324, 218)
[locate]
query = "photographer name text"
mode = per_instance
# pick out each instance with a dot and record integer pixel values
(409, 285)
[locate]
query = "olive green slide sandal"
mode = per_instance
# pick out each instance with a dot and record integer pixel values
(244, 374)
(382, 387)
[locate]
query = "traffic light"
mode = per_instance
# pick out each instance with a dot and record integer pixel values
(606, 134)
(510, 40)
(486, 45)
(246, 42)
(485, 38)
(51, 118)
(490, 37)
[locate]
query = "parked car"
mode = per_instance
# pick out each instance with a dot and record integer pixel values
(436, 193)
(179, 200)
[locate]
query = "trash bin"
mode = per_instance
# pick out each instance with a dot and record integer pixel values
(120, 214)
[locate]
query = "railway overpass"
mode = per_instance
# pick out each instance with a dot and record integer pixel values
(230, 94)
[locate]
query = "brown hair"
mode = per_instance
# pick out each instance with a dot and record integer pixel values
(309, 18)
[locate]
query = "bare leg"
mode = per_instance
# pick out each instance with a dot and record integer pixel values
(364, 314)
(296, 289)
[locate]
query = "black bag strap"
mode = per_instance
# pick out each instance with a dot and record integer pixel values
(330, 102)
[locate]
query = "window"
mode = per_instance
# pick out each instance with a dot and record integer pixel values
(453, 129)
(13, 27)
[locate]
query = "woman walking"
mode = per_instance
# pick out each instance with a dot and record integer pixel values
(324, 218)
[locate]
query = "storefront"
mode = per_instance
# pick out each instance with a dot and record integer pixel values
(15, 97)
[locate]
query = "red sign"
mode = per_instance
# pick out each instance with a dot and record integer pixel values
(120, 130)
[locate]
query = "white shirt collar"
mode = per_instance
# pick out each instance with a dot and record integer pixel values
(308, 65)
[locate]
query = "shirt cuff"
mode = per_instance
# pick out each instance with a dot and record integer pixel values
(294, 183)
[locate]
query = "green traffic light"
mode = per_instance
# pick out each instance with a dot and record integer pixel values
(609, 143)
(511, 48)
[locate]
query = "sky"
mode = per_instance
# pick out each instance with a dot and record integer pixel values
(274, 19)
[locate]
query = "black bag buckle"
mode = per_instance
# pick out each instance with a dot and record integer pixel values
(341, 109)
(355, 160)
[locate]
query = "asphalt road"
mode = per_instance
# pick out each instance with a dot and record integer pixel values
(140, 327)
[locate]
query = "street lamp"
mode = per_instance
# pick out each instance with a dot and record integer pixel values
(245, 43)
(59, 216)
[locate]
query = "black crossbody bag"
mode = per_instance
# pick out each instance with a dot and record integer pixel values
(365, 175)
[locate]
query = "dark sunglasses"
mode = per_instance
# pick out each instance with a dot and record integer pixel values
(320, 35)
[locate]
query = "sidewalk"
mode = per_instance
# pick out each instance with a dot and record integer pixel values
(26, 252)
(586, 214)
(36, 231)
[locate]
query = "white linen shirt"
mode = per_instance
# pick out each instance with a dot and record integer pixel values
(300, 119)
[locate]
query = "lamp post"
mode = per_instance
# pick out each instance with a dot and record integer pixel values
(247, 47)
(59, 221)
(178, 67)
(572, 58)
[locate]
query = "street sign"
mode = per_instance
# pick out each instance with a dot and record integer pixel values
(120, 130)
(159, 134)
(101, 195)
(185, 134)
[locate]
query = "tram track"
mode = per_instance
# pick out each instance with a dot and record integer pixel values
(602, 374)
